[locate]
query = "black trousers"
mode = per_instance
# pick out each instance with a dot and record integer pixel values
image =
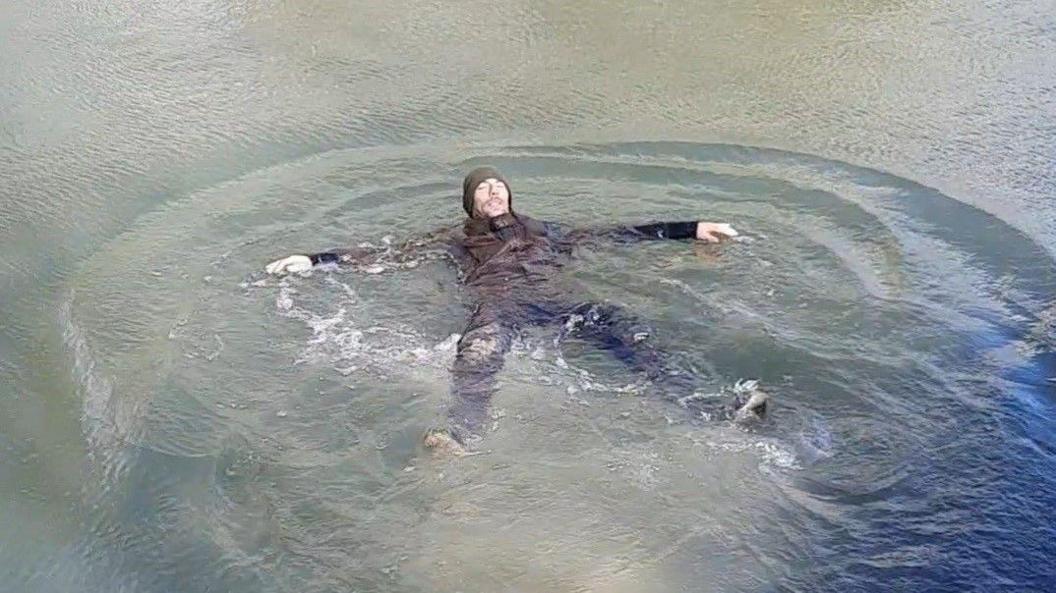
(492, 329)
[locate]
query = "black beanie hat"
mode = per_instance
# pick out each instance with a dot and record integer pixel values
(473, 179)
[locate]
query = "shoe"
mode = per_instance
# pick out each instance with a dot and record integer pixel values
(443, 442)
(749, 403)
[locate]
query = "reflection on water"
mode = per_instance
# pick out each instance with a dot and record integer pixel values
(175, 421)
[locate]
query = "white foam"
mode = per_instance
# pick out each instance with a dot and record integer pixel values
(351, 346)
(770, 452)
(341, 338)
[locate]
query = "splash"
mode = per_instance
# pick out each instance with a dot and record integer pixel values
(346, 341)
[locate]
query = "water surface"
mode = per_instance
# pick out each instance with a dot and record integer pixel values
(171, 419)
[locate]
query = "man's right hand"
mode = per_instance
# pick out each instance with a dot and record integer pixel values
(289, 265)
(715, 232)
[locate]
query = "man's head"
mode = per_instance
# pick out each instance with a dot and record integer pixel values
(486, 194)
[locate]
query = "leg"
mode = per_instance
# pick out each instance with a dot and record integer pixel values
(618, 332)
(481, 353)
(629, 340)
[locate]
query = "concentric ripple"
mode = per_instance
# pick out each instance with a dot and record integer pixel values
(251, 433)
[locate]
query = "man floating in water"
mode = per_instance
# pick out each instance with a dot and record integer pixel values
(510, 265)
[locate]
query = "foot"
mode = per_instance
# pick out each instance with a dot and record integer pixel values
(753, 409)
(443, 443)
(750, 403)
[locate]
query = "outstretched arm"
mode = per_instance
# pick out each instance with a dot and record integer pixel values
(365, 256)
(712, 232)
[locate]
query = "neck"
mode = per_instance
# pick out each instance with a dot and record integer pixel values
(505, 226)
(497, 223)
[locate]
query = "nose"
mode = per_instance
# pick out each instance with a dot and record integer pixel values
(494, 190)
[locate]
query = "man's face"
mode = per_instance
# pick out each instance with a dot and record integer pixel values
(491, 198)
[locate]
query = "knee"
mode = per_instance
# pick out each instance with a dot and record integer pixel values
(481, 345)
(478, 351)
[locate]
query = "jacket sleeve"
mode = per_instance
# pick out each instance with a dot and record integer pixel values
(403, 255)
(626, 234)
(657, 230)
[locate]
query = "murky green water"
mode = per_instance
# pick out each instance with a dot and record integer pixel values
(171, 419)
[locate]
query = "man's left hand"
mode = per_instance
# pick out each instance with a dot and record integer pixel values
(714, 232)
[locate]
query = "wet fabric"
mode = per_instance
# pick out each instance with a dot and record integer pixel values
(510, 265)
(493, 327)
